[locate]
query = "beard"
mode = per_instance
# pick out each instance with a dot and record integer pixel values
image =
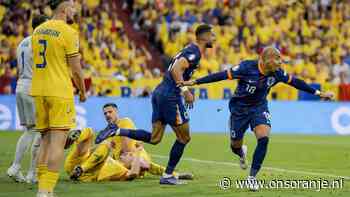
(209, 45)
(70, 20)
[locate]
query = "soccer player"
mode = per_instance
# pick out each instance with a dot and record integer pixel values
(25, 107)
(248, 106)
(86, 164)
(168, 107)
(121, 148)
(55, 58)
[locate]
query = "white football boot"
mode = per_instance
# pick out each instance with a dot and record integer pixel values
(15, 173)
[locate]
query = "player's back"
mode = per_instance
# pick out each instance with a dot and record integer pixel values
(53, 42)
(193, 55)
(25, 61)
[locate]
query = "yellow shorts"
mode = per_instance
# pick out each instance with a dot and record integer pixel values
(54, 113)
(112, 170)
(73, 160)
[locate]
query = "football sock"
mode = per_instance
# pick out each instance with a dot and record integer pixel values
(86, 133)
(259, 155)
(23, 144)
(48, 181)
(41, 169)
(138, 134)
(99, 155)
(237, 151)
(156, 169)
(175, 156)
(34, 150)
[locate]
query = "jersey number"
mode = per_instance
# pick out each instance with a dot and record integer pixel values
(250, 89)
(22, 57)
(42, 54)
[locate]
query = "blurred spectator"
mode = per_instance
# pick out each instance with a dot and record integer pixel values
(5, 82)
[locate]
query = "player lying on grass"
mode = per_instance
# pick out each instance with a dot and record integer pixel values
(86, 164)
(121, 149)
(248, 105)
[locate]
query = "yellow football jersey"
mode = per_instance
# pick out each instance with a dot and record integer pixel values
(52, 43)
(125, 123)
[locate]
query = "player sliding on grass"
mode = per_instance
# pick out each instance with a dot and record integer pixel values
(248, 106)
(168, 107)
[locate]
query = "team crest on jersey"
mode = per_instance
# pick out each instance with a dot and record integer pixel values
(235, 68)
(191, 57)
(271, 81)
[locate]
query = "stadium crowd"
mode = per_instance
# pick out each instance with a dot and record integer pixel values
(313, 35)
(107, 53)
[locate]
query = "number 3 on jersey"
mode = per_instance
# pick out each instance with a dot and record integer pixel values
(42, 54)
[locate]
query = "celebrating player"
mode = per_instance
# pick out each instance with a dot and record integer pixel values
(248, 106)
(25, 107)
(168, 107)
(55, 55)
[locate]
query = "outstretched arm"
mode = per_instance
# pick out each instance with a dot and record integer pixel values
(302, 85)
(219, 76)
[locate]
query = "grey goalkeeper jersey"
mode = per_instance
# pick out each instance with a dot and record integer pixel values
(24, 65)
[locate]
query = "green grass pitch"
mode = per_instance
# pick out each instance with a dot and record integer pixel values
(209, 158)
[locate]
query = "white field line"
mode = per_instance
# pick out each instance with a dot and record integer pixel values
(266, 168)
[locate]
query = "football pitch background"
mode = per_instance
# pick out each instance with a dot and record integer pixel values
(209, 158)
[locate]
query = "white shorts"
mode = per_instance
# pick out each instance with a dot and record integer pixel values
(25, 107)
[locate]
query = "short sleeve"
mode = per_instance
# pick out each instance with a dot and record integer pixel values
(71, 43)
(236, 72)
(190, 56)
(126, 123)
(283, 76)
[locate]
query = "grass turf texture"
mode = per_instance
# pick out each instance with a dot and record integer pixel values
(317, 154)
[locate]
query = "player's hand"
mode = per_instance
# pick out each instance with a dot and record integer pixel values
(82, 97)
(186, 83)
(327, 96)
(189, 99)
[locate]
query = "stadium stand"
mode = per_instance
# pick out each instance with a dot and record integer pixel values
(314, 37)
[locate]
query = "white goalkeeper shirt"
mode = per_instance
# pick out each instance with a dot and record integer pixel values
(24, 65)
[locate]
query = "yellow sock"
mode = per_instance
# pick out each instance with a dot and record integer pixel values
(41, 169)
(86, 133)
(99, 155)
(156, 169)
(48, 181)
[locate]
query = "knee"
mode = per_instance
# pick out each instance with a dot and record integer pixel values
(184, 140)
(155, 141)
(236, 144)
